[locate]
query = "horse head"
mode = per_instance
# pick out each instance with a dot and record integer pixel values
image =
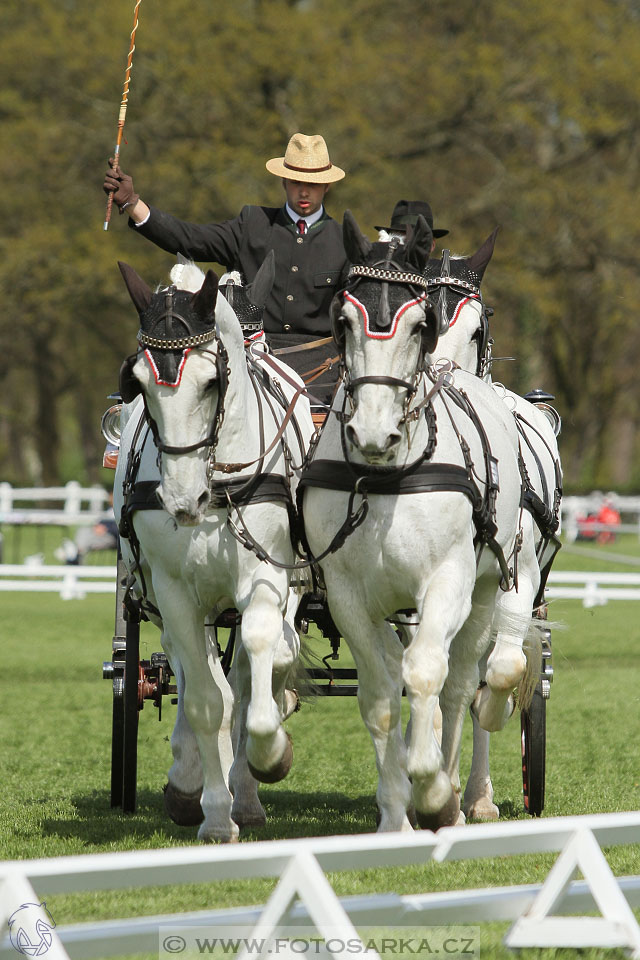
(180, 370)
(455, 282)
(384, 324)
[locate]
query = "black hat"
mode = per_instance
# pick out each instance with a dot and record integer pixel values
(405, 214)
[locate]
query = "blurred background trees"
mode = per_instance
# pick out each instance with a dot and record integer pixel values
(520, 114)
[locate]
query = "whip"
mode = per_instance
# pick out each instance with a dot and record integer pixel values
(123, 108)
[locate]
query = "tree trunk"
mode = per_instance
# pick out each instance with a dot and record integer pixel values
(46, 425)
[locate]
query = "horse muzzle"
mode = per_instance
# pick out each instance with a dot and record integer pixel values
(376, 440)
(187, 510)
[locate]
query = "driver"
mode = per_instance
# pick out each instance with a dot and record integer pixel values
(310, 261)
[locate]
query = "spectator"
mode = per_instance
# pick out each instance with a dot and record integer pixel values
(102, 535)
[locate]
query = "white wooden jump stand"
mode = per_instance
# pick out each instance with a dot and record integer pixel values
(544, 914)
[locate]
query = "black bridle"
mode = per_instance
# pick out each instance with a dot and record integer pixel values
(149, 341)
(387, 271)
(446, 282)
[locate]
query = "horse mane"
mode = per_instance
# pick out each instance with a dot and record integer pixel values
(187, 276)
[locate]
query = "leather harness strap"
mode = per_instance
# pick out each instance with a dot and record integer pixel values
(425, 478)
(263, 488)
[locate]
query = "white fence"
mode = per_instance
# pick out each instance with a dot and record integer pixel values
(70, 581)
(543, 914)
(78, 505)
(84, 505)
(74, 582)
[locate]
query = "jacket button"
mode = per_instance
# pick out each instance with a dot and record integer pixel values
(287, 326)
(328, 279)
(289, 297)
(299, 240)
(294, 269)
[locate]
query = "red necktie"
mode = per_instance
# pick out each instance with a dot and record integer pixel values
(302, 227)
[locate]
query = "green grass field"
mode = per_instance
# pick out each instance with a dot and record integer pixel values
(55, 757)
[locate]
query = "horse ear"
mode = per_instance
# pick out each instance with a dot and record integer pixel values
(204, 301)
(481, 257)
(260, 288)
(358, 247)
(418, 244)
(139, 292)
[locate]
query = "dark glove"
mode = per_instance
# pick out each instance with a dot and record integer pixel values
(122, 186)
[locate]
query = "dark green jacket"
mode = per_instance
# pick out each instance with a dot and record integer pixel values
(309, 269)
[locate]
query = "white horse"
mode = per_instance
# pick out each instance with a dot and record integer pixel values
(420, 469)
(213, 444)
(465, 341)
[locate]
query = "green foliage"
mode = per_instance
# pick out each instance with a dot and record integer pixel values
(523, 115)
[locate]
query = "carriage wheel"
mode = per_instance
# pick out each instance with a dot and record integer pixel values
(534, 745)
(114, 670)
(130, 712)
(117, 745)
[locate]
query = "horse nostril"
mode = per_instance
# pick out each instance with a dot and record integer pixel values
(203, 499)
(351, 434)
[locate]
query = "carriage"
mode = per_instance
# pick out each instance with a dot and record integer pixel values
(153, 681)
(135, 681)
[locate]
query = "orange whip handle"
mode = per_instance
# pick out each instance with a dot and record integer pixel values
(123, 109)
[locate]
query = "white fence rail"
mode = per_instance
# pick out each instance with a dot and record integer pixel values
(70, 581)
(74, 582)
(78, 505)
(83, 505)
(543, 914)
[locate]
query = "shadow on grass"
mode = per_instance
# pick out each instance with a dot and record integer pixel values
(289, 814)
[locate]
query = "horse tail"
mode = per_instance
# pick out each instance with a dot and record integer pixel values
(532, 649)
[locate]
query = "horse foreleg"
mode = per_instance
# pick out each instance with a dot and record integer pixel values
(507, 663)
(469, 644)
(425, 669)
(377, 653)
(478, 793)
(247, 811)
(268, 748)
(184, 786)
(185, 779)
(204, 704)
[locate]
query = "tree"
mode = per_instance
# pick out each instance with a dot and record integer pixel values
(523, 115)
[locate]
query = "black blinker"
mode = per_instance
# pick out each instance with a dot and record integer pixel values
(128, 384)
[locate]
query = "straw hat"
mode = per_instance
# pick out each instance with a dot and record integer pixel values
(306, 158)
(405, 214)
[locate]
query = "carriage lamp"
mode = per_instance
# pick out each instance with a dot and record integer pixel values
(540, 399)
(110, 427)
(110, 424)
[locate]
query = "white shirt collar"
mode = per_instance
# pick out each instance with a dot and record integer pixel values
(310, 220)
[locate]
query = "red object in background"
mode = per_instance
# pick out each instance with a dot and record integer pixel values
(611, 517)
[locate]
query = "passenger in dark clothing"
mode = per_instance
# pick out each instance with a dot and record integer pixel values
(310, 261)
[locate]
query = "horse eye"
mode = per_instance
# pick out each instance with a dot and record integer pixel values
(210, 384)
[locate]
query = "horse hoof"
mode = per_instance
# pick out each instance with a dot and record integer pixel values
(483, 809)
(183, 808)
(244, 821)
(446, 817)
(281, 769)
(216, 837)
